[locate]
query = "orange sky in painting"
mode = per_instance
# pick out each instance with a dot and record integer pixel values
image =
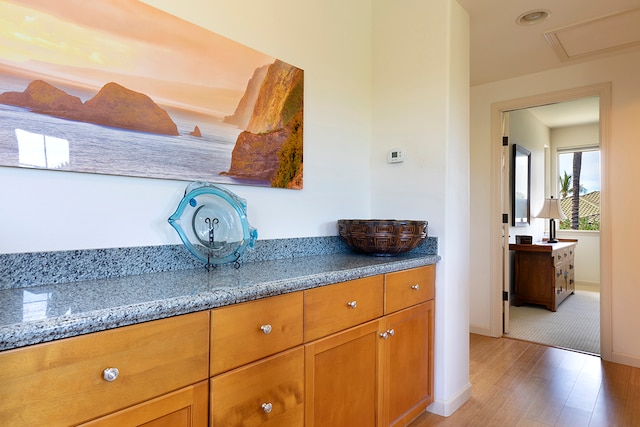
(89, 41)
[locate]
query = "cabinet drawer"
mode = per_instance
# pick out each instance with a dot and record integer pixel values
(187, 407)
(265, 393)
(61, 383)
(408, 287)
(336, 307)
(246, 332)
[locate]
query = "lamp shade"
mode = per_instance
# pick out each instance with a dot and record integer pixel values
(551, 209)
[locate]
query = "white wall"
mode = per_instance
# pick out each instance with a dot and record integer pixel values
(421, 104)
(621, 174)
(526, 130)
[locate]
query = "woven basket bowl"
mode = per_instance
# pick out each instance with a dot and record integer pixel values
(382, 237)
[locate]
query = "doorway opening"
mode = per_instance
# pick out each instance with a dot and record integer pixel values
(564, 142)
(544, 185)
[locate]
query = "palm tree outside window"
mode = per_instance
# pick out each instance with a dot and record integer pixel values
(579, 188)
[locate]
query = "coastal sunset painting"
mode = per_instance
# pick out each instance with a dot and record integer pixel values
(121, 88)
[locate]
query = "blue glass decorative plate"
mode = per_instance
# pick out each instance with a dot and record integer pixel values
(212, 223)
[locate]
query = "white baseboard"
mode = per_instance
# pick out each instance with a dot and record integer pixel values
(624, 359)
(447, 408)
(587, 286)
(480, 330)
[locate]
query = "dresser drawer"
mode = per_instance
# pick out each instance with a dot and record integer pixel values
(61, 383)
(562, 255)
(246, 332)
(265, 393)
(332, 308)
(405, 288)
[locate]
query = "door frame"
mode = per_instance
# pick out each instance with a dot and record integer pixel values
(603, 91)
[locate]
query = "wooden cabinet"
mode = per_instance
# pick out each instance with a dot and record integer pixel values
(408, 344)
(407, 364)
(544, 273)
(255, 381)
(358, 353)
(381, 372)
(63, 381)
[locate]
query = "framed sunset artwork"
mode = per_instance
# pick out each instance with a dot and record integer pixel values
(121, 88)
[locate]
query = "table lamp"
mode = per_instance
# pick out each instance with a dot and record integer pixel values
(551, 209)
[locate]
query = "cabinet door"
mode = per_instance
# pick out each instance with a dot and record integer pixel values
(342, 379)
(408, 364)
(187, 407)
(534, 278)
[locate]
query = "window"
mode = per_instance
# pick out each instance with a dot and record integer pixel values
(579, 182)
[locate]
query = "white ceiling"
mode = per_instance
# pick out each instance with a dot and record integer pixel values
(568, 113)
(576, 30)
(501, 48)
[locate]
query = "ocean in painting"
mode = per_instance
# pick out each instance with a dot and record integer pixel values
(106, 150)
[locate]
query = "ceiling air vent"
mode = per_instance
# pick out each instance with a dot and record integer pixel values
(607, 34)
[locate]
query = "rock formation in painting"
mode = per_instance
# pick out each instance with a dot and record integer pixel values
(120, 107)
(113, 105)
(196, 132)
(245, 107)
(42, 97)
(271, 147)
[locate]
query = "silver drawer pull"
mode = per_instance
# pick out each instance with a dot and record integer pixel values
(415, 287)
(266, 329)
(267, 407)
(110, 374)
(391, 332)
(352, 304)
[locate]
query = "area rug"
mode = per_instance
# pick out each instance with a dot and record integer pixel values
(575, 326)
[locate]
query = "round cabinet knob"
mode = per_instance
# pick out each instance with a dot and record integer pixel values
(384, 335)
(110, 374)
(266, 329)
(267, 408)
(415, 287)
(352, 304)
(391, 332)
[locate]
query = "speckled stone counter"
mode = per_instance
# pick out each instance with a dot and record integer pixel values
(36, 314)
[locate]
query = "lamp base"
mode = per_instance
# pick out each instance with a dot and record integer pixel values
(552, 231)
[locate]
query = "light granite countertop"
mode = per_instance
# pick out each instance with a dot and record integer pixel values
(37, 314)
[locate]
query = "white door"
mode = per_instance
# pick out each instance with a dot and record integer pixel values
(506, 203)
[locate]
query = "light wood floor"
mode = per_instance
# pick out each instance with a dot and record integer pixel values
(515, 383)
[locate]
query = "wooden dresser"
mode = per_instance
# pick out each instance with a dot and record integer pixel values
(544, 273)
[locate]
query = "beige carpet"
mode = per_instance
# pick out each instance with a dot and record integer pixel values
(576, 324)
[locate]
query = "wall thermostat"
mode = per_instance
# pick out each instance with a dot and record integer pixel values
(395, 156)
